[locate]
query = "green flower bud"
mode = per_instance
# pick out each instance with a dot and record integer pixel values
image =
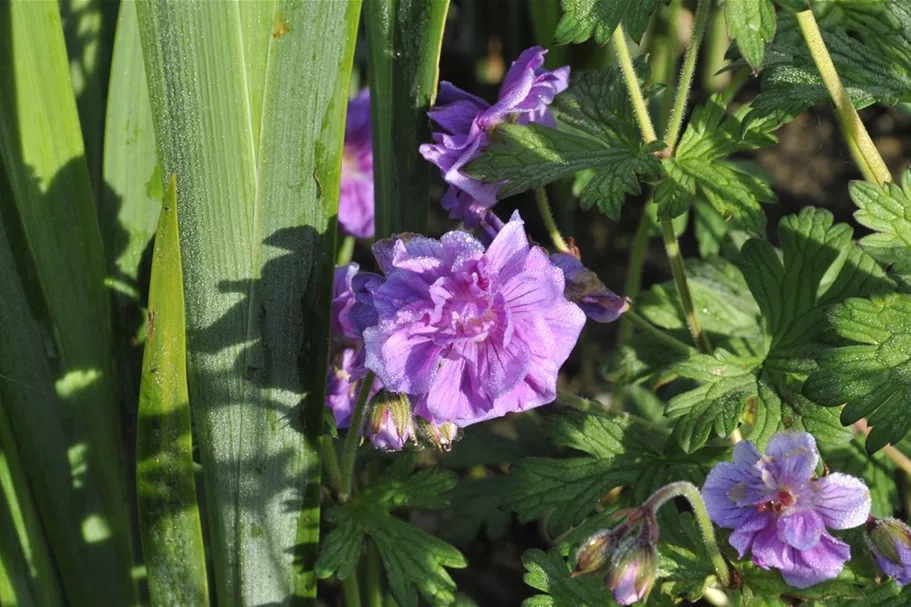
(389, 421)
(595, 552)
(634, 568)
(440, 436)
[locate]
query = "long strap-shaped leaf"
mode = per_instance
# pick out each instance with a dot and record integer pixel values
(55, 356)
(257, 235)
(168, 513)
(25, 560)
(404, 38)
(131, 197)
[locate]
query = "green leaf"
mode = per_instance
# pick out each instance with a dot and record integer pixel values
(599, 136)
(583, 19)
(791, 82)
(684, 569)
(414, 560)
(621, 453)
(887, 211)
(872, 374)
(819, 266)
(716, 405)
(549, 572)
(169, 523)
(404, 39)
(27, 572)
(886, 594)
(89, 34)
(699, 166)
(476, 509)
(259, 195)
(128, 207)
(719, 292)
(751, 23)
(57, 382)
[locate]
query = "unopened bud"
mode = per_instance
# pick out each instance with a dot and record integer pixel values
(585, 289)
(389, 423)
(440, 436)
(889, 540)
(633, 570)
(595, 552)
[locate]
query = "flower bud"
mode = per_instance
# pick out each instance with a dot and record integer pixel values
(634, 567)
(889, 540)
(440, 436)
(389, 422)
(595, 552)
(585, 289)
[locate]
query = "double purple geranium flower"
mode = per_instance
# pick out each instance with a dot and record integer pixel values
(465, 122)
(780, 510)
(470, 334)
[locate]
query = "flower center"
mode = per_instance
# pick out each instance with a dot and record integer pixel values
(784, 499)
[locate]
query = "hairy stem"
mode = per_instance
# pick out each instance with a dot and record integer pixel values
(686, 76)
(352, 440)
(852, 123)
(632, 85)
(330, 460)
(634, 270)
(548, 216)
(679, 272)
(691, 494)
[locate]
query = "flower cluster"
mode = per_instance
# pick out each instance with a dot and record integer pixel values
(455, 331)
(465, 122)
(780, 510)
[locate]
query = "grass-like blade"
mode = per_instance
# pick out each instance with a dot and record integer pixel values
(59, 388)
(404, 38)
(27, 574)
(169, 523)
(130, 200)
(257, 234)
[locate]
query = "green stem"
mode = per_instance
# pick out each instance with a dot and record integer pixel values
(634, 270)
(686, 76)
(330, 459)
(346, 252)
(679, 272)
(657, 334)
(852, 122)
(372, 578)
(352, 440)
(632, 85)
(691, 493)
(548, 216)
(670, 17)
(351, 590)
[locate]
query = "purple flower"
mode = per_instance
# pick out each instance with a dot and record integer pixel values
(585, 289)
(351, 312)
(780, 510)
(465, 122)
(470, 334)
(355, 201)
(889, 540)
